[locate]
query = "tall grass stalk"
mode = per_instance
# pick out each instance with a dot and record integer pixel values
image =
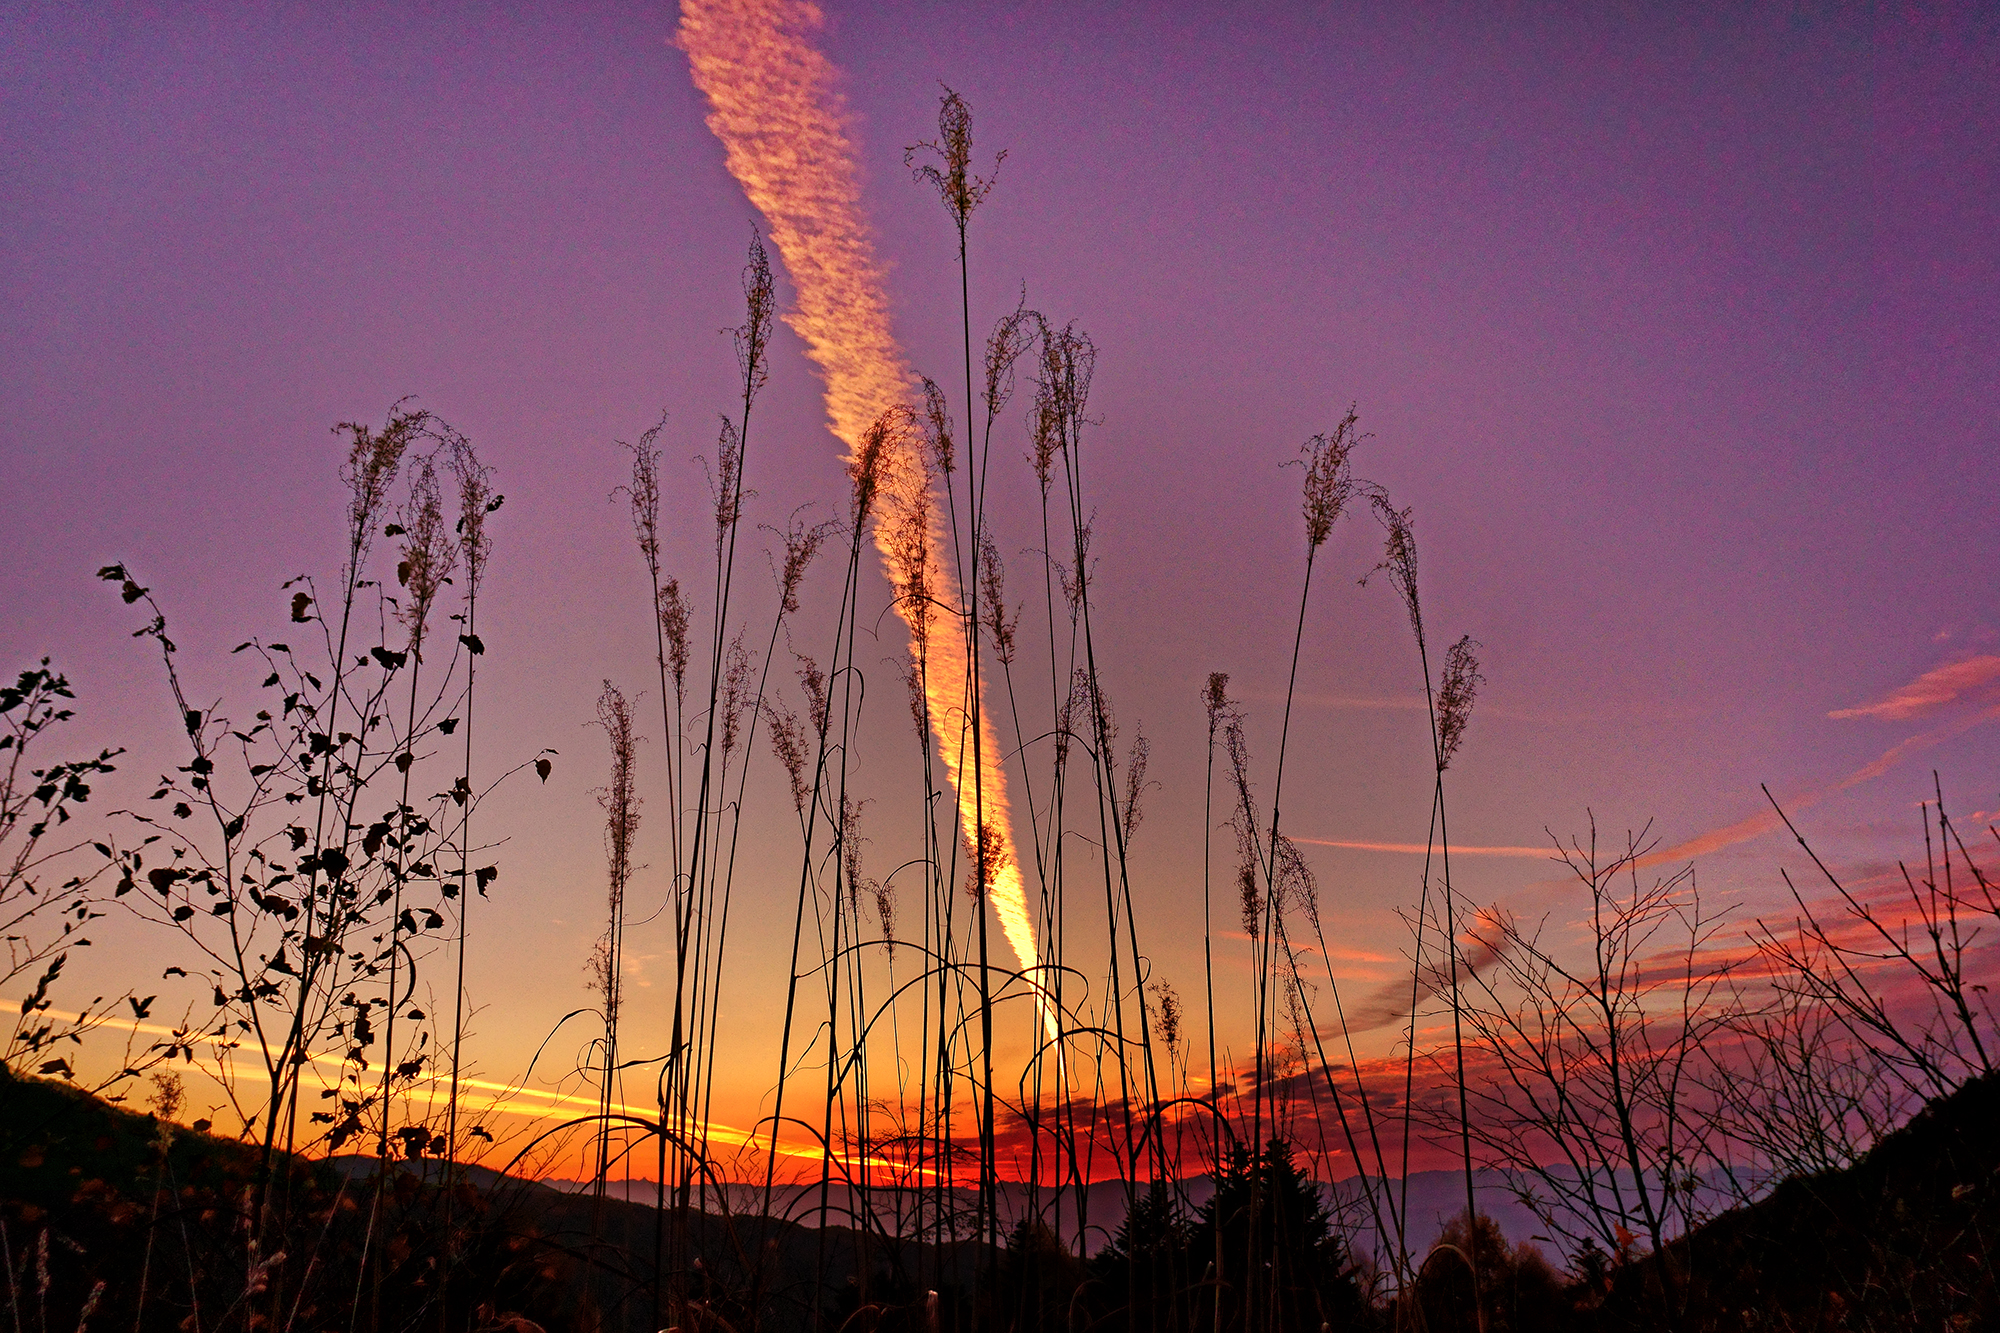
(961, 193)
(1448, 705)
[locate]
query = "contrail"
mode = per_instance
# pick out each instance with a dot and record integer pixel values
(781, 120)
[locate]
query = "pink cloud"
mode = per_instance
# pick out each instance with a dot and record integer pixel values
(1419, 849)
(1976, 678)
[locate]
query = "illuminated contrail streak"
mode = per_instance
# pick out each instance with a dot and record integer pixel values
(779, 115)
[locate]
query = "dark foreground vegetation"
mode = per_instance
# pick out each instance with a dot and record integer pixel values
(112, 1219)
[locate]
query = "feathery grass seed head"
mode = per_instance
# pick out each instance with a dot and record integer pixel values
(885, 912)
(1167, 1015)
(428, 552)
(788, 742)
(1135, 782)
(1075, 707)
(642, 494)
(991, 860)
(1004, 346)
(725, 484)
(753, 336)
(1297, 887)
(881, 444)
(993, 599)
(854, 883)
(1399, 557)
(813, 681)
(909, 558)
(937, 427)
(912, 672)
(1074, 577)
(961, 191)
(1062, 391)
(476, 500)
(1249, 902)
(1455, 697)
(737, 690)
(373, 459)
(1215, 698)
(802, 544)
(672, 609)
(1330, 480)
(619, 799)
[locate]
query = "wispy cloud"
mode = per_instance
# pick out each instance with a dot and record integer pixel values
(1975, 680)
(1418, 848)
(1478, 948)
(1974, 683)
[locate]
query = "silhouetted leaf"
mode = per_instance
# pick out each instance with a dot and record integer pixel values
(472, 642)
(300, 601)
(542, 767)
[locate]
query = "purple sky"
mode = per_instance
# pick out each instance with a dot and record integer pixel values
(1681, 335)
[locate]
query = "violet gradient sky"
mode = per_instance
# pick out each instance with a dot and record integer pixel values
(1679, 327)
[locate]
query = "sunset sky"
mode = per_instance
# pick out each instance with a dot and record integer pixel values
(1680, 333)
